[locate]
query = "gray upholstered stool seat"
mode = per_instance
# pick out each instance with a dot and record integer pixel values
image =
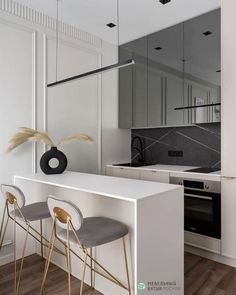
(33, 212)
(96, 231)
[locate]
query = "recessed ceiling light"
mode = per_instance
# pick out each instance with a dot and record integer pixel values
(207, 33)
(158, 48)
(111, 25)
(164, 1)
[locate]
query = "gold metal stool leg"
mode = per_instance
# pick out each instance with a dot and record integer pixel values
(14, 247)
(126, 265)
(51, 247)
(84, 269)
(91, 267)
(22, 259)
(41, 238)
(68, 258)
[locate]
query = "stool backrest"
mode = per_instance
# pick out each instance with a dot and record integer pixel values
(11, 193)
(65, 211)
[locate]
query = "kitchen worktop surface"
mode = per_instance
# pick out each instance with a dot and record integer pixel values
(114, 187)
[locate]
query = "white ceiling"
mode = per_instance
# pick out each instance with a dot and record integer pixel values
(137, 17)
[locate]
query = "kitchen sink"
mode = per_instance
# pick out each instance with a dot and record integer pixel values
(137, 164)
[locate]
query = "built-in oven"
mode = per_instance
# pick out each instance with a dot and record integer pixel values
(202, 206)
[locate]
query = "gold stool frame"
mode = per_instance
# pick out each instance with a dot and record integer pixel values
(11, 200)
(65, 218)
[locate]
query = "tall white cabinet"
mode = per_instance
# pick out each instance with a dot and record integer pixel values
(228, 127)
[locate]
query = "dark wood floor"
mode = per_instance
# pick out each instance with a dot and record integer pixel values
(206, 277)
(202, 277)
(56, 283)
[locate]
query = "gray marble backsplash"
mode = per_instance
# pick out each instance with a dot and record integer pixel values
(200, 144)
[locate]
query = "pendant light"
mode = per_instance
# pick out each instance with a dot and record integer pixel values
(93, 72)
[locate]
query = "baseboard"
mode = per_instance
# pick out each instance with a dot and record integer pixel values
(6, 259)
(210, 255)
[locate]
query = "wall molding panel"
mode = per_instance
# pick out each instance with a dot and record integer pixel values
(39, 18)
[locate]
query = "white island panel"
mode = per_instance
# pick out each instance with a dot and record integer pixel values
(152, 211)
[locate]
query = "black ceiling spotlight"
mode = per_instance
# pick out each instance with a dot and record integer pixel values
(164, 1)
(111, 25)
(218, 71)
(158, 48)
(207, 33)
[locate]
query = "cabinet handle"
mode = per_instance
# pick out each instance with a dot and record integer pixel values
(229, 177)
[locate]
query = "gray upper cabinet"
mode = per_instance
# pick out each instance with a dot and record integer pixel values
(202, 65)
(176, 67)
(165, 70)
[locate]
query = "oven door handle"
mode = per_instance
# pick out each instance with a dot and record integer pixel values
(198, 197)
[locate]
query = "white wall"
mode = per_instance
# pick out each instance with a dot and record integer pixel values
(27, 59)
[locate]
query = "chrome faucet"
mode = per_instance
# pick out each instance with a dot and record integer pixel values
(139, 149)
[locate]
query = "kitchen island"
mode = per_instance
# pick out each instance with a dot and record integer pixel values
(154, 213)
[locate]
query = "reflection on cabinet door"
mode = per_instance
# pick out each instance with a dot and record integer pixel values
(173, 99)
(154, 175)
(155, 96)
(140, 91)
(125, 90)
(228, 205)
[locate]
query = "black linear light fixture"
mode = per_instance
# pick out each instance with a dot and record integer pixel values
(199, 106)
(96, 71)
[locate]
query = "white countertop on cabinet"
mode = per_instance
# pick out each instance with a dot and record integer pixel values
(114, 187)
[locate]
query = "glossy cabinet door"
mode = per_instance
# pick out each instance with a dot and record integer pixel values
(165, 77)
(125, 90)
(176, 67)
(156, 96)
(173, 99)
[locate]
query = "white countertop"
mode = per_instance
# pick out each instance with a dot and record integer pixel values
(114, 187)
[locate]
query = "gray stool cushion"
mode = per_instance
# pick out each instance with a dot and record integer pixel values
(33, 212)
(96, 231)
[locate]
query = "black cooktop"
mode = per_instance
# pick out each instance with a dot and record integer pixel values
(203, 170)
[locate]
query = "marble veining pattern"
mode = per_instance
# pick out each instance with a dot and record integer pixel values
(201, 145)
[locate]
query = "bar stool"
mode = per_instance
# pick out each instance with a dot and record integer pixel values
(16, 210)
(69, 227)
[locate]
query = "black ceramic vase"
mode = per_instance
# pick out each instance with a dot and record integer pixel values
(53, 153)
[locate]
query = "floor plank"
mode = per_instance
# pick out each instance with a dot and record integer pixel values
(202, 277)
(32, 276)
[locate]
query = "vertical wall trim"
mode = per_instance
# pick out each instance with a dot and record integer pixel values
(34, 98)
(45, 90)
(100, 117)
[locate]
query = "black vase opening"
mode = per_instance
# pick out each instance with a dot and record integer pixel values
(53, 153)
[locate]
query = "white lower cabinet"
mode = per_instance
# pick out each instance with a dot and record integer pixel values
(228, 215)
(155, 175)
(149, 175)
(123, 172)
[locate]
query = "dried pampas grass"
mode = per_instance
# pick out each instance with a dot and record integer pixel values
(27, 134)
(83, 137)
